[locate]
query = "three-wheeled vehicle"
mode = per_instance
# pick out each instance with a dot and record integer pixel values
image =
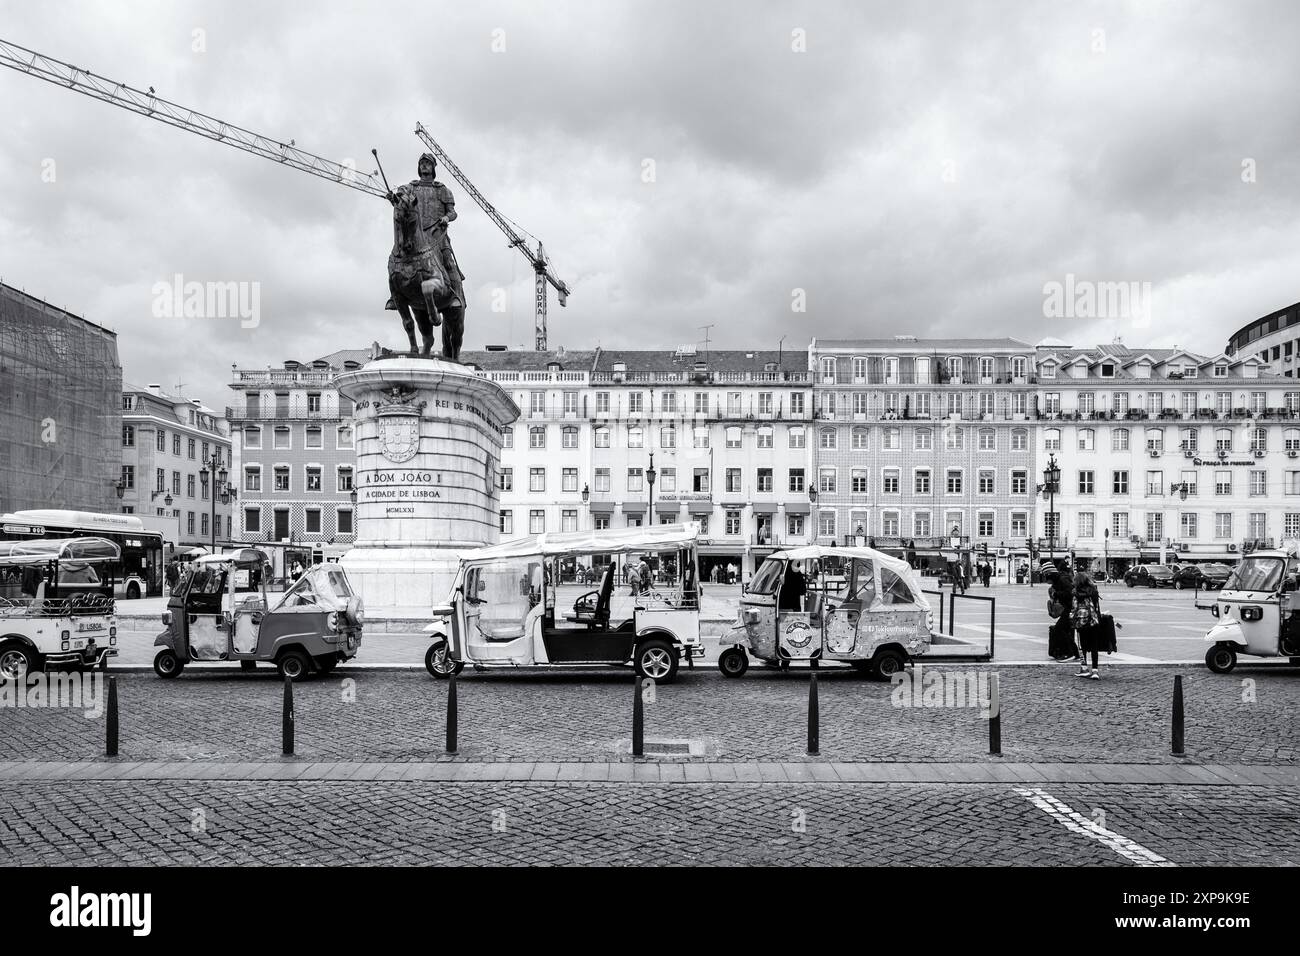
(1258, 610)
(858, 606)
(315, 624)
(507, 610)
(56, 604)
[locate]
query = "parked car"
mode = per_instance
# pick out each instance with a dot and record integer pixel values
(1188, 576)
(1214, 575)
(1150, 576)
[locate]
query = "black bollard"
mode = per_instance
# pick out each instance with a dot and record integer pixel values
(995, 716)
(286, 725)
(1178, 715)
(814, 718)
(110, 745)
(638, 722)
(452, 727)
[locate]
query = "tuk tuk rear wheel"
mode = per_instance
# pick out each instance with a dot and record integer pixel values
(733, 662)
(655, 659)
(887, 663)
(438, 664)
(16, 661)
(167, 665)
(293, 665)
(1221, 659)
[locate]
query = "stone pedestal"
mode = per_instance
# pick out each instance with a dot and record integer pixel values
(428, 446)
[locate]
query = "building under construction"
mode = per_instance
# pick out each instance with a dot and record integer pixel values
(60, 408)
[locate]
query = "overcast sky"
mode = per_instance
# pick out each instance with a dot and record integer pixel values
(917, 168)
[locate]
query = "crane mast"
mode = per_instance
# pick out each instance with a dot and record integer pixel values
(542, 271)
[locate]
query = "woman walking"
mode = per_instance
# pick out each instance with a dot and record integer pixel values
(1060, 602)
(1086, 618)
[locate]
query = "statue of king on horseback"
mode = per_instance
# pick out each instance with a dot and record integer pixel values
(423, 275)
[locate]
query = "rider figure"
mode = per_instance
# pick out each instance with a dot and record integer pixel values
(437, 211)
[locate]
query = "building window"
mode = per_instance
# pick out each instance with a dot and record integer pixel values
(986, 481)
(189, 449)
(128, 436)
(733, 481)
(667, 479)
(764, 480)
(858, 481)
(189, 523)
(826, 481)
(281, 439)
(987, 439)
(602, 403)
(1087, 439)
(921, 524)
(176, 486)
(796, 484)
(733, 522)
(889, 524)
(1019, 525)
(569, 479)
(826, 524)
(537, 522)
(568, 520)
(570, 403)
(252, 520)
(1223, 482)
(797, 437)
(701, 436)
(314, 437)
(252, 437)
(537, 403)
(128, 477)
(536, 479)
(921, 482)
(1087, 482)
(507, 438)
(635, 480)
(1257, 523)
(537, 436)
(1155, 483)
(600, 522)
(313, 479)
(160, 480)
(176, 445)
(1223, 524)
(668, 437)
(602, 480)
(890, 482)
(954, 438)
(313, 403)
(1020, 482)
(953, 481)
(506, 479)
(636, 402)
(1187, 525)
(1052, 439)
(1119, 483)
(313, 521)
(507, 522)
(924, 439)
(635, 437)
(601, 439)
(796, 403)
(189, 486)
(667, 402)
(1087, 524)
(281, 478)
(1258, 483)
(984, 524)
(794, 526)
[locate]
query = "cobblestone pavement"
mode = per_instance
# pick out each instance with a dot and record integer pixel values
(634, 824)
(1048, 716)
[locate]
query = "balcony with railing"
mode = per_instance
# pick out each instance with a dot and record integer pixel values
(293, 378)
(292, 411)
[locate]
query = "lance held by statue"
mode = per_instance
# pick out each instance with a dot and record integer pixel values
(423, 276)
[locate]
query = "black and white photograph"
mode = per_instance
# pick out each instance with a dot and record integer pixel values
(577, 434)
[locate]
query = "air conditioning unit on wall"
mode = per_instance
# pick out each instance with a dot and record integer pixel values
(1232, 548)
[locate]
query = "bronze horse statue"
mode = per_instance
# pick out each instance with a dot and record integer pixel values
(418, 282)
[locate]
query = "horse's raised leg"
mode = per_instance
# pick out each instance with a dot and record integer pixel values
(453, 331)
(429, 289)
(408, 323)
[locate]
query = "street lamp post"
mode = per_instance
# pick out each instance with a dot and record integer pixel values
(213, 468)
(812, 500)
(1051, 481)
(650, 476)
(1105, 550)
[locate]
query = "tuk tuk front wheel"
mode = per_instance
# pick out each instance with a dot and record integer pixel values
(888, 662)
(15, 662)
(437, 663)
(1221, 659)
(166, 664)
(655, 659)
(293, 665)
(733, 662)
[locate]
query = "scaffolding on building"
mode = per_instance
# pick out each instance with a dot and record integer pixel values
(61, 388)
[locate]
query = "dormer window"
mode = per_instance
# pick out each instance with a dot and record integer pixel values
(1107, 369)
(1221, 370)
(1190, 371)
(1049, 370)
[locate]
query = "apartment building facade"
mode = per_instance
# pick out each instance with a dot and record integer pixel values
(168, 446)
(1167, 455)
(920, 442)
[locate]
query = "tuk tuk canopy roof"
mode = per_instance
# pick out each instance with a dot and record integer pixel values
(879, 558)
(662, 537)
(241, 558)
(43, 550)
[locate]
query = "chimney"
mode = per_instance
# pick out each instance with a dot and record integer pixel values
(154, 388)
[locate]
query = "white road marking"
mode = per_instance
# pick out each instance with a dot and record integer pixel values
(1077, 823)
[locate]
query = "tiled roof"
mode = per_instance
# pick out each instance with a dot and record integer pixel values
(600, 360)
(927, 345)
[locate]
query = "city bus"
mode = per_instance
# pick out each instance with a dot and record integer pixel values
(138, 573)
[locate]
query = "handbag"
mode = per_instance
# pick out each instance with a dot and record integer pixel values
(1054, 608)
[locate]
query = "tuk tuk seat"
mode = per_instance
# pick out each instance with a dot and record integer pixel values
(595, 615)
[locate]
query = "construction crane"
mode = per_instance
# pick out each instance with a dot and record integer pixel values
(541, 265)
(147, 103)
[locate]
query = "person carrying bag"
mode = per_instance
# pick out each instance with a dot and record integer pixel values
(1060, 602)
(1086, 617)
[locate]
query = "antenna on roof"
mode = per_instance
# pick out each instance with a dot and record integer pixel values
(780, 350)
(705, 329)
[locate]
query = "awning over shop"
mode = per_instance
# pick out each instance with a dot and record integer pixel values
(734, 505)
(764, 507)
(668, 507)
(699, 507)
(602, 507)
(797, 507)
(633, 507)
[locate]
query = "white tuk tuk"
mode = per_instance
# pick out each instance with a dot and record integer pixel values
(1258, 610)
(858, 606)
(509, 609)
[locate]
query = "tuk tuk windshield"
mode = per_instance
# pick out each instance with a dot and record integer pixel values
(502, 593)
(1256, 574)
(321, 585)
(767, 578)
(207, 580)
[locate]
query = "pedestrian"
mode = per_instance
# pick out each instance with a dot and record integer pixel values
(793, 588)
(1060, 601)
(633, 572)
(731, 573)
(988, 573)
(172, 574)
(1085, 616)
(647, 579)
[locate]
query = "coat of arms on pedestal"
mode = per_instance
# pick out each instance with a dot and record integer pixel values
(399, 425)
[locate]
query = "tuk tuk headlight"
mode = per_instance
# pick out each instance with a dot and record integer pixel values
(67, 640)
(167, 618)
(334, 620)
